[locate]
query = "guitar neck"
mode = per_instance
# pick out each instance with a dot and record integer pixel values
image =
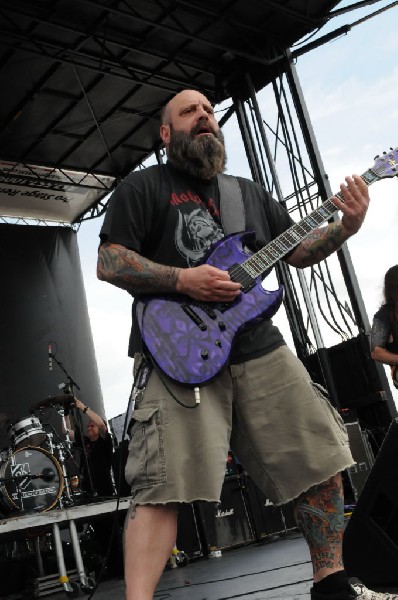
(265, 258)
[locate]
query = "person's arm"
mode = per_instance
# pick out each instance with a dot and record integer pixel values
(378, 340)
(384, 356)
(136, 274)
(92, 416)
(324, 241)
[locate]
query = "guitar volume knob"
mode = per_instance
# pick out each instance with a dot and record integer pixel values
(204, 354)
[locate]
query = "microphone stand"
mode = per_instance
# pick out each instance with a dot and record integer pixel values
(78, 420)
(71, 381)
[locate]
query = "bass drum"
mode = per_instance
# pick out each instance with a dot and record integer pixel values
(31, 481)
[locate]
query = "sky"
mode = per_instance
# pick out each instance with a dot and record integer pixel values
(351, 92)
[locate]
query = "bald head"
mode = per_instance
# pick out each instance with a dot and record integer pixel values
(184, 111)
(180, 100)
(191, 135)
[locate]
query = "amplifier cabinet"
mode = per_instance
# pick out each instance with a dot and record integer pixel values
(227, 524)
(268, 519)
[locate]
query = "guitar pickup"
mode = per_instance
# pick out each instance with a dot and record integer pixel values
(208, 310)
(194, 316)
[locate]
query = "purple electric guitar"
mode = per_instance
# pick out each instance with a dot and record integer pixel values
(191, 340)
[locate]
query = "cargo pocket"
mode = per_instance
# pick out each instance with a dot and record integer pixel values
(331, 413)
(146, 464)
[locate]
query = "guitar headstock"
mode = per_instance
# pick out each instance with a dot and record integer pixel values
(386, 165)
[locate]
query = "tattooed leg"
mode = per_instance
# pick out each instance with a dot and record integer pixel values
(320, 517)
(149, 536)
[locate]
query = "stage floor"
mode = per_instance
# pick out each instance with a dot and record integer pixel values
(276, 569)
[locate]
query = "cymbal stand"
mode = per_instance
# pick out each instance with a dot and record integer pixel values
(61, 459)
(66, 445)
(71, 385)
(65, 428)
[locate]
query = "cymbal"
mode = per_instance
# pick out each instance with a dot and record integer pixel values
(63, 400)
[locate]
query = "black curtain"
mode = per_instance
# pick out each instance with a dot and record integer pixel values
(42, 301)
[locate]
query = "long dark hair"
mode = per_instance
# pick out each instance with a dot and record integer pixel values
(390, 292)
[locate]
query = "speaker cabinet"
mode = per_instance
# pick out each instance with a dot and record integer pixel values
(268, 519)
(354, 372)
(227, 524)
(370, 547)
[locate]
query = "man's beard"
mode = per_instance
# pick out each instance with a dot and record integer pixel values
(202, 156)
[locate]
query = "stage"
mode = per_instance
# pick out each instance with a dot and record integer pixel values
(31, 543)
(245, 547)
(279, 568)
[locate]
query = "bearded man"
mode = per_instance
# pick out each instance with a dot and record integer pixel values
(158, 227)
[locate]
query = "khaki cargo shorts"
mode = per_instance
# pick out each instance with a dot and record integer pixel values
(279, 424)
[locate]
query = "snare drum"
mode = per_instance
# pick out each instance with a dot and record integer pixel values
(32, 481)
(28, 432)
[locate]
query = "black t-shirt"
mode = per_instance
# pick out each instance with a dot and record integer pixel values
(172, 218)
(100, 455)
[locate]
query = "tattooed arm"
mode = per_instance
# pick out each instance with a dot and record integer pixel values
(136, 274)
(132, 272)
(326, 240)
(318, 245)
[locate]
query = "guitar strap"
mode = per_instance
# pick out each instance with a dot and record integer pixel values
(233, 217)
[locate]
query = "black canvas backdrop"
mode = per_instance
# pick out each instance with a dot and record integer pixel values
(42, 300)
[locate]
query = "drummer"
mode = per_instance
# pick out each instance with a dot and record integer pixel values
(98, 481)
(98, 445)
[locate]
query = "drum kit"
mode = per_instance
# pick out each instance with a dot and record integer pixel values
(38, 471)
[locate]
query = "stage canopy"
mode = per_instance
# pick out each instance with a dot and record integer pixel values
(82, 82)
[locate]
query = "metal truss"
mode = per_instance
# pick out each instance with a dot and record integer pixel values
(37, 222)
(283, 157)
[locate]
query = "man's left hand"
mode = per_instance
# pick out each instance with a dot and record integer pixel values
(356, 201)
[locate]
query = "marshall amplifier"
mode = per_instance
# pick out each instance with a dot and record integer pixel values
(268, 519)
(226, 525)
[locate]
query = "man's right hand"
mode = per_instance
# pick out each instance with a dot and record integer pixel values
(207, 283)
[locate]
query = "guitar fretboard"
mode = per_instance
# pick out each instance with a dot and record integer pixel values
(265, 258)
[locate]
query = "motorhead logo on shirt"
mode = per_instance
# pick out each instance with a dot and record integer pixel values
(195, 233)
